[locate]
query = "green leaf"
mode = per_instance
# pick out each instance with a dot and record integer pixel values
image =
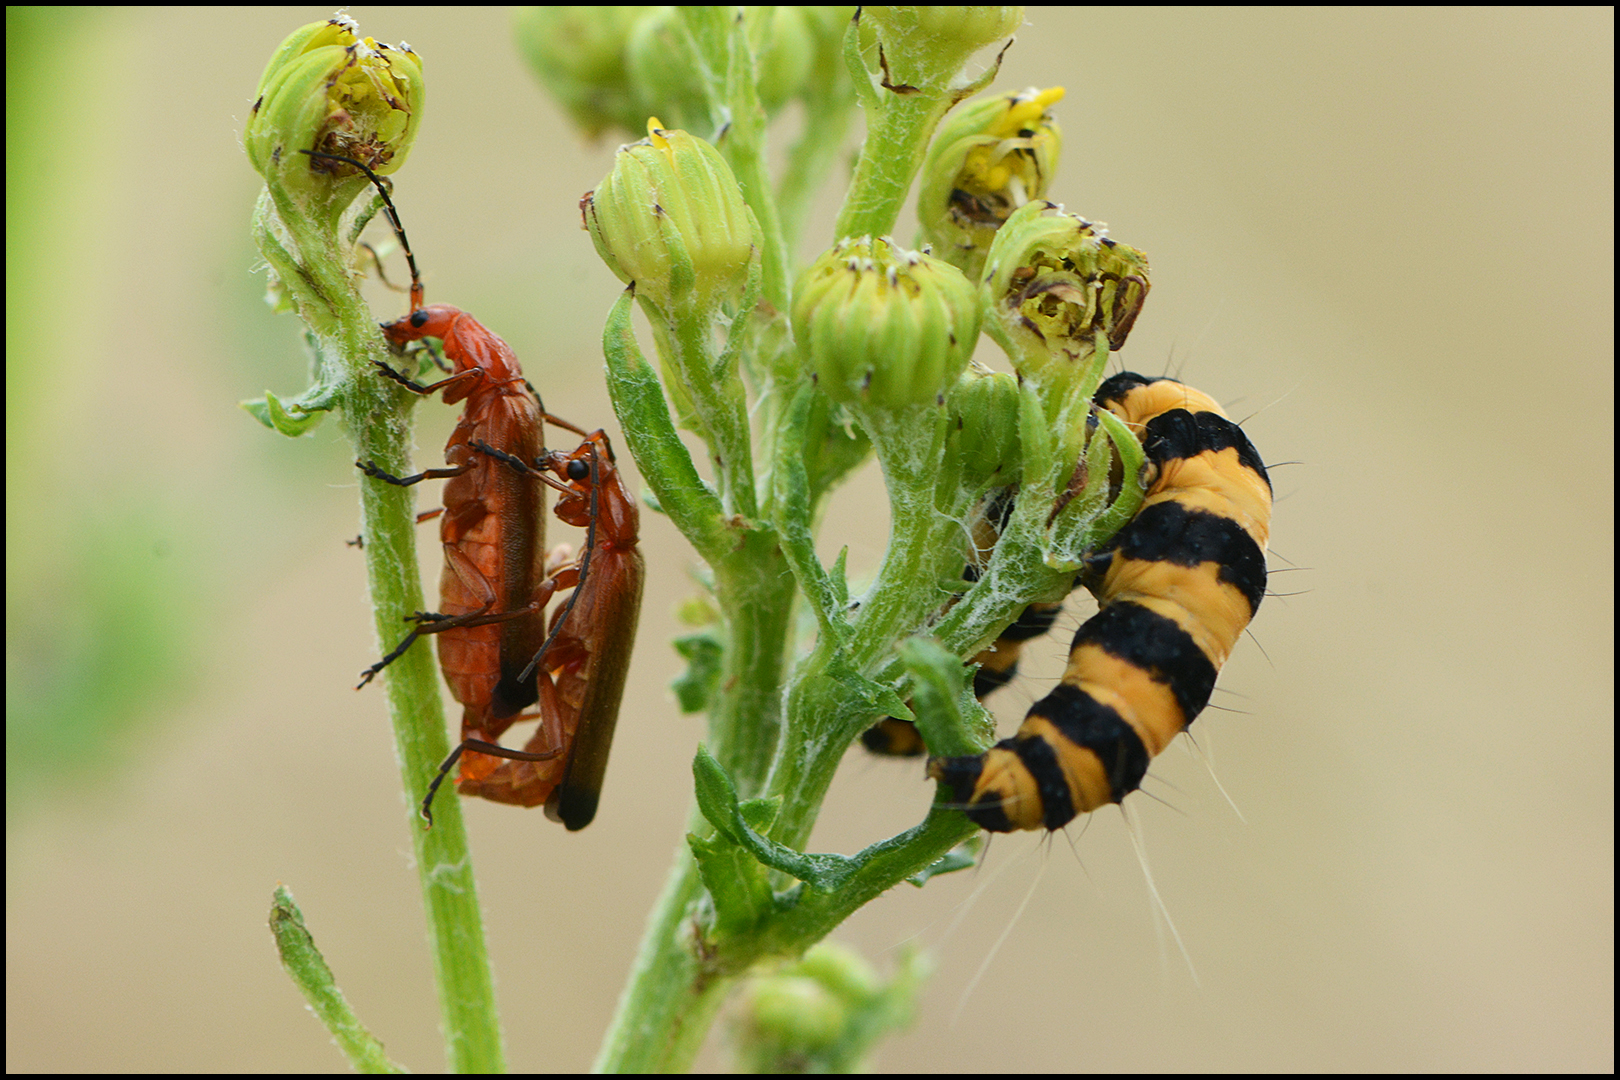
(951, 720)
(736, 882)
(696, 686)
(717, 799)
(297, 417)
(828, 594)
(665, 463)
(961, 857)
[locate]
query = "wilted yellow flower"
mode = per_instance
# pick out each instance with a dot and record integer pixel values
(328, 89)
(990, 157)
(1054, 281)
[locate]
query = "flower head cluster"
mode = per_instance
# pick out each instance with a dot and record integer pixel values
(611, 67)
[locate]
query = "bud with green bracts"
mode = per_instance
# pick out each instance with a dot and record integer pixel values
(790, 1012)
(824, 1012)
(578, 53)
(884, 327)
(923, 48)
(984, 428)
(328, 89)
(783, 39)
(1053, 283)
(668, 76)
(666, 73)
(990, 157)
(671, 219)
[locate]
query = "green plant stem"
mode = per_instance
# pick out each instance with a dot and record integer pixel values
(308, 970)
(752, 582)
(665, 463)
(910, 445)
(821, 711)
(676, 989)
(748, 163)
(826, 709)
(827, 107)
(755, 589)
(721, 406)
(673, 992)
(671, 997)
(744, 148)
(376, 415)
(890, 157)
(449, 886)
(885, 865)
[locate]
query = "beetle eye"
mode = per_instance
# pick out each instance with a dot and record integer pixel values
(578, 470)
(419, 319)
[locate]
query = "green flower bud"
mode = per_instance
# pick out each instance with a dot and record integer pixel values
(328, 89)
(1054, 281)
(578, 53)
(804, 1010)
(924, 48)
(984, 427)
(786, 1016)
(824, 1013)
(842, 970)
(665, 71)
(671, 218)
(668, 77)
(884, 326)
(990, 157)
(783, 40)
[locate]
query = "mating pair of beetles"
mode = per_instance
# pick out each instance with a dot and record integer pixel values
(498, 654)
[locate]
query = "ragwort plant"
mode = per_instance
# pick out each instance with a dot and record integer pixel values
(791, 378)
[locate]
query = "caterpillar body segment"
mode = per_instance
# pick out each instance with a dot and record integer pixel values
(1176, 586)
(998, 665)
(894, 737)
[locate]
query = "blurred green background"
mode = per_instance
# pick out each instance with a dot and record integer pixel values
(1383, 237)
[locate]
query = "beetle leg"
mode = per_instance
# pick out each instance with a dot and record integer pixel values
(371, 470)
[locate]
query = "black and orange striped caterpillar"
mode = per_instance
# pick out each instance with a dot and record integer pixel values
(1175, 587)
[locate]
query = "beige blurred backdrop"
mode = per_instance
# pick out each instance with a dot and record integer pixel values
(1383, 237)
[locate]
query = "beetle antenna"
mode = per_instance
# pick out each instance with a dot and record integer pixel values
(417, 292)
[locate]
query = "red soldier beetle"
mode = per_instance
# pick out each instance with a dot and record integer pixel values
(492, 530)
(584, 662)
